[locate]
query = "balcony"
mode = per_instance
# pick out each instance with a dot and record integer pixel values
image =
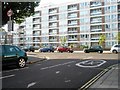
(36, 21)
(96, 13)
(96, 21)
(36, 40)
(52, 33)
(53, 40)
(94, 39)
(53, 10)
(72, 7)
(72, 39)
(72, 31)
(96, 4)
(53, 19)
(96, 30)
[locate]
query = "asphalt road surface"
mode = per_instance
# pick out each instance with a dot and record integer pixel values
(59, 73)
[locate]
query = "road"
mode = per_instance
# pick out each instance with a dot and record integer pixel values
(57, 73)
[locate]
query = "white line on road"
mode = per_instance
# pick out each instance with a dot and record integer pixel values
(57, 72)
(57, 65)
(16, 69)
(31, 84)
(7, 76)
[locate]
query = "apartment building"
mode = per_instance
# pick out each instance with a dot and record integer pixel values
(23, 37)
(80, 23)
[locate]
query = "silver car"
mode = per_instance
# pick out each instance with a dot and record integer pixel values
(115, 48)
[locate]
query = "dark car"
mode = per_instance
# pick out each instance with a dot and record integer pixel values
(64, 49)
(47, 49)
(13, 55)
(30, 49)
(98, 49)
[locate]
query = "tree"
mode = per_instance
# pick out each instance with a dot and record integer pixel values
(63, 40)
(20, 10)
(102, 39)
(118, 37)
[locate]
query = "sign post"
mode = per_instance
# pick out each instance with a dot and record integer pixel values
(10, 26)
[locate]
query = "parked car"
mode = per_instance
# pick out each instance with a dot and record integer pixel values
(97, 48)
(64, 49)
(115, 48)
(30, 49)
(47, 49)
(13, 55)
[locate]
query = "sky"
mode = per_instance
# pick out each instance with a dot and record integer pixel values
(43, 2)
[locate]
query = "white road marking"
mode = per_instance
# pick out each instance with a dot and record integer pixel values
(31, 84)
(57, 65)
(67, 81)
(7, 76)
(16, 69)
(57, 72)
(90, 63)
(38, 64)
(69, 65)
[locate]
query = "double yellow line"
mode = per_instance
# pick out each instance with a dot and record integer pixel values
(94, 79)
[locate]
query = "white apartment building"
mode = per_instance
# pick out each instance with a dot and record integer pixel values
(81, 23)
(24, 35)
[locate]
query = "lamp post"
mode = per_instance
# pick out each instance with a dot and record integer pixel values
(10, 26)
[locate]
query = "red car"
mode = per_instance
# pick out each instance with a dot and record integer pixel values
(64, 49)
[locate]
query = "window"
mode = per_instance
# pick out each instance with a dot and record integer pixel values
(17, 49)
(10, 49)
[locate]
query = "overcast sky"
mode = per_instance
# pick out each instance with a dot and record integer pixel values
(43, 2)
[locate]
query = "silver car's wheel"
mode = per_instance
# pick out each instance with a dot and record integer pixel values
(21, 62)
(114, 51)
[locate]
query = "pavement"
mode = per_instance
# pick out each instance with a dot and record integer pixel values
(109, 79)
(38, 59)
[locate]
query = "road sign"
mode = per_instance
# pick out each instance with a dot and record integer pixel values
(9, 13)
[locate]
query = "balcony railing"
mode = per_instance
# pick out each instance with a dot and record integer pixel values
(96, 13)
(72, 32)
(96, 30)
(53, 40)
(72, 39)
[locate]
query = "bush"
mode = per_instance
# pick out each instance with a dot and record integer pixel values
(83, 46)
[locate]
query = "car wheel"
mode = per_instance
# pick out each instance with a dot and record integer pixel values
(70, 51)
(49, 51)
(86, 51)
(21, 62)
(114, 51)
(99, 51)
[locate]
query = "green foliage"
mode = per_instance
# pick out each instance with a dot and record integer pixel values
(83, 46)
(63, 40)
(20, 10)
(71, 46)
(118, 37)
(102, 39)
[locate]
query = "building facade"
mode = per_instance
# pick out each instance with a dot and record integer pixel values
(23, 37)
(79, 23)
